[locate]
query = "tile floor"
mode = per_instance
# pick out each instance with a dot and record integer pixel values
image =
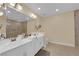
(58, 50)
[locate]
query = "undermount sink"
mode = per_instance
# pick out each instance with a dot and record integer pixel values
(4, 41)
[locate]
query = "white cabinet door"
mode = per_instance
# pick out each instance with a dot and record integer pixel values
(13, 52)
(29, 49)
(38, 44)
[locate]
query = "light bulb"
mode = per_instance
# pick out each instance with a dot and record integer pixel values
(33, 15)
(12, 4)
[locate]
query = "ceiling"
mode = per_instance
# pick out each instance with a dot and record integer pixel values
(48, 9)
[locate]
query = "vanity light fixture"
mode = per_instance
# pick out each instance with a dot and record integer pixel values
(1, 13)
(33, 16)
(16, 5)
(3, 6)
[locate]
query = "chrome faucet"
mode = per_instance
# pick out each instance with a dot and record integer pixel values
(2, 36)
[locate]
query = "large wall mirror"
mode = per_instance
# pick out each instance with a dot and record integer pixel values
(12, 22)
(16, 23)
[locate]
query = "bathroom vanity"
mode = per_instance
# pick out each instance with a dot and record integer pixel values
(15, 23)
(27, 46)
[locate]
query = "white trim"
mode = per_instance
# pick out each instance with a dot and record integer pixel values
(66, 44)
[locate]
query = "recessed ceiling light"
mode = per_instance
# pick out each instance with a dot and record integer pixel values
(38, 8)
(57, 10)
(1, 13)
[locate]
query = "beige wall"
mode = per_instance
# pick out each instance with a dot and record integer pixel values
(3, 22)
(59, 29)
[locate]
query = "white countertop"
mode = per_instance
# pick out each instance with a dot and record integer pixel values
(10, 45)
(7, 45)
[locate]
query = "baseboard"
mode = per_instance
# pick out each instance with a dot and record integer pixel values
(70, 45)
